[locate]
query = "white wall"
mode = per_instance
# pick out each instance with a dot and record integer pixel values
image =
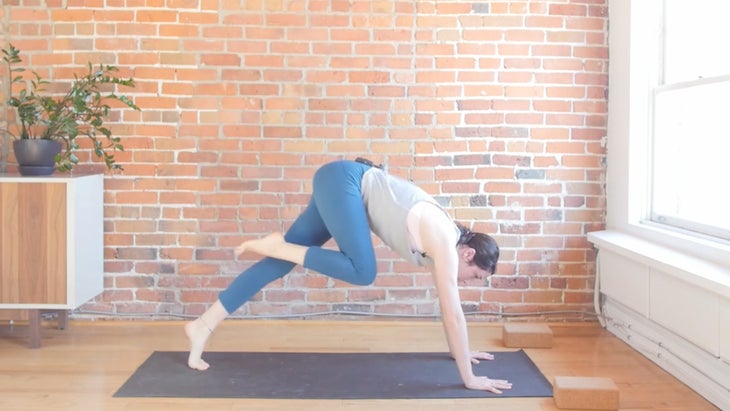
(665, 293)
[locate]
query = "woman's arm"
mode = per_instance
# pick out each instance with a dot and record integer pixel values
(438, 239)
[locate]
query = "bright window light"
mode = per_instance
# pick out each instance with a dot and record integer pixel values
(691, 138)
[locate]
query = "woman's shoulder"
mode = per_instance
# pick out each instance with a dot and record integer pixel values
(436, 223)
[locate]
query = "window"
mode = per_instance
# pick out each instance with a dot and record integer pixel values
(690, 154)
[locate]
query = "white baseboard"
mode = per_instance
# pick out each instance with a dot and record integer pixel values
(705, 373)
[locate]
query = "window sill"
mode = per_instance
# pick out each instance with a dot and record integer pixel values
(692, 270)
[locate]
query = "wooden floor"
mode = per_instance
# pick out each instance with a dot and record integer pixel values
(82, 367)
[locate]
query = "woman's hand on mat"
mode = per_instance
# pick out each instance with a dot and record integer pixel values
(476, 356)
(486, 384)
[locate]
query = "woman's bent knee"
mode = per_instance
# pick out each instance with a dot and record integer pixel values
(365, 276)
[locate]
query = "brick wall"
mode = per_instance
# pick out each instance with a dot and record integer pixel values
(496, 108)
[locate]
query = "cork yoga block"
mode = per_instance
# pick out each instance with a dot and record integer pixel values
(585, 393)
(527, 336)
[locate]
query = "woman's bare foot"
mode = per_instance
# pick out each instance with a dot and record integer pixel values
(198, 334)
(266, 246)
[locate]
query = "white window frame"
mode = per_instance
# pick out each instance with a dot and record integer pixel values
(682, 81)
(634, 56)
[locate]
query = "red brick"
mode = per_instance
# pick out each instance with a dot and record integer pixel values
(232, 130)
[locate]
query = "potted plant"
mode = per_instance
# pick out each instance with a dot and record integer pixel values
(47, 124)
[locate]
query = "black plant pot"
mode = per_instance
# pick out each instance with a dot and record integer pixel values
(35, 157)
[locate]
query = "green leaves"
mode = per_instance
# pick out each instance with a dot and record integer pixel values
(80, 112)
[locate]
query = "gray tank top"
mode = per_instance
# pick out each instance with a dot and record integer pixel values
(387, 201)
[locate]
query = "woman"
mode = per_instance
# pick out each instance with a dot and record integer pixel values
(349, 199)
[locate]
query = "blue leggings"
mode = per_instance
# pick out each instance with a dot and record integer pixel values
(336, 210)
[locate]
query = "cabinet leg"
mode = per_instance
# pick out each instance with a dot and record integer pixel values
(62, 319)
(34, 328)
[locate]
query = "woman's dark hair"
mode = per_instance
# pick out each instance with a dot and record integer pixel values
(487, 250)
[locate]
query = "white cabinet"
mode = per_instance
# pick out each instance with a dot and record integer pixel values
(51, 243)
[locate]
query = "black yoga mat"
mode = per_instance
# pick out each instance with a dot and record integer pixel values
(328, 376)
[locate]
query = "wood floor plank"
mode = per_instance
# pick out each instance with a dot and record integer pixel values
(81, 368)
